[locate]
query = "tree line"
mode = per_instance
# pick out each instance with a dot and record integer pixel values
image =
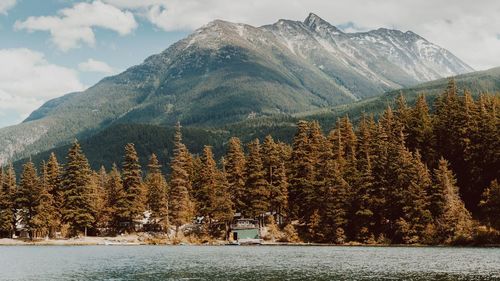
(412, 176)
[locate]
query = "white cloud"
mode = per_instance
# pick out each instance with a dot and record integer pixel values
(467, 28)
(28, 80)
(74, 25)
(5, 5)
(92, 65)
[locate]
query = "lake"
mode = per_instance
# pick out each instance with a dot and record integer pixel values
(247, 263)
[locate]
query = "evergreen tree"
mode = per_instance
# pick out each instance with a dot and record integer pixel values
(223, 209)
(78, 210)
(99, 199)
(274, 167)
(306, 175)
(364, 195)
(157, 193)
(455, 124)
(257, 187)
(381, 174)
(301, 168)
(485, 143)
(8, 218)
(349, 141)
(28, 198)
(279, 192)
(419, 131)
(116, 198)
(133, 186)
(336, 199)
(180, 205)
(53, 181)
(46, 218)
(403, 113)
(455, 222)
(209, 180)
(490, 205)
(415, 214)
(235, 169)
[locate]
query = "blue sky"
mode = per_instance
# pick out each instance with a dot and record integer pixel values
(117, 51)
(52, 47)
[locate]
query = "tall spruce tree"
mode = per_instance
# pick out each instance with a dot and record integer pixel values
(490, 205)
(301, 168)
(98, 194)
(8, 218)
(157, 193)
(455, 222)
(274, 167)
(419, 131)
(28, 198)
(235, 169)
(180, 204)
(78, 210)
(364, 195)
(335, 205)
(257, 187)
(53, 181)
(133, 186)
(46, 218)
(223, 207)
(116, 199)
(209, 180)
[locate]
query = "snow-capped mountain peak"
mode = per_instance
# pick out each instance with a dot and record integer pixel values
(224, 71)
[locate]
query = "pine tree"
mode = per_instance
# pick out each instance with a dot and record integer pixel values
(223, 209)
(116, 199)
(349, 140)
(53, 180)
(490, 205)
(99, 199)
(455, 222)
(335, 205)
(415, 213)
(419, 131)
(28, 198)
(78, 210)
(365, 196)
(485, 141)
(300, 170)
(8, 219)
(46, 218)
(257, 187)
(270, 158)
(274, 167)
(235, 168)
(133, 186)
(309, 148)
(180, 205)
(455, 124)
(205, 195)
(279, 192)
(157, 193)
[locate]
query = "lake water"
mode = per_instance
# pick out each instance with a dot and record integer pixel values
(247, 263)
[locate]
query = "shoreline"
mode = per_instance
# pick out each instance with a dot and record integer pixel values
(133, 241)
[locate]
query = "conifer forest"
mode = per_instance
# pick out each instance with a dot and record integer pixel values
(420, 174)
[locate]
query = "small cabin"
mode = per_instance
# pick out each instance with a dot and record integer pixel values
(245, 231)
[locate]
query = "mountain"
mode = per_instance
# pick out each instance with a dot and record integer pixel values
(486, 81)
(224, 73)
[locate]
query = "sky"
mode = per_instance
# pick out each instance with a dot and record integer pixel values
(49, 48)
